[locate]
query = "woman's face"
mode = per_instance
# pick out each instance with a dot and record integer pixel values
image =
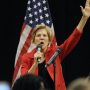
(42, 38)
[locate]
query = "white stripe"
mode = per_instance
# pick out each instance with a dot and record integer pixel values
(23, 38)
(32, 46)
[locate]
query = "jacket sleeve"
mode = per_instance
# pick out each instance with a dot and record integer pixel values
(70, 43)
(25, 64)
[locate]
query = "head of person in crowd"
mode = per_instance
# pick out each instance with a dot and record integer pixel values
(29, 82)
(82, 83)
(4, 85)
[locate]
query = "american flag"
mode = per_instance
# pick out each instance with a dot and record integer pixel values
(37, 12)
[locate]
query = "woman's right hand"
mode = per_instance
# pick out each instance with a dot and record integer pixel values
(39, 57)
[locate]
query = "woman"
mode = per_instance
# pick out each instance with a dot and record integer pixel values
(42, 35)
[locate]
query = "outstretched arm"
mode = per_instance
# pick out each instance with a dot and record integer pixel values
(85, 16)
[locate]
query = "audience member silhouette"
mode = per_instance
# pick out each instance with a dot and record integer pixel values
(29, 82)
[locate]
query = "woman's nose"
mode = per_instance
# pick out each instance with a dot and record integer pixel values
(42, 37)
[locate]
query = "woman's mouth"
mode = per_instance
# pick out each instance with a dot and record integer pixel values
(41, 43)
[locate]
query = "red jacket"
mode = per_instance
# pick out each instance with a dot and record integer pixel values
(67, 46)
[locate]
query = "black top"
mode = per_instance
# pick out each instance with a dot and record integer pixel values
(49, 84)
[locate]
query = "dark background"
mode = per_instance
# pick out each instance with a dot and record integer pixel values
(66, 15)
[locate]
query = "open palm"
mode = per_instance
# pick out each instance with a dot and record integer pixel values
(86, 10)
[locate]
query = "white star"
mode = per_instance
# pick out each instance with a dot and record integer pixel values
(42, 23)
(35, 6)
(35, 12)
(29, 8)
(47, 21)
(25, 18)
(39, 4)
(45, 8)
(40, 11)
(29, 2)
(34, 0)
(31, 21)
(46, 15)
(44, 1)
(36, 19)
(30, 15)
(41, 17)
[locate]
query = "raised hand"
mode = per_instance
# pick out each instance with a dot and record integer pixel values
(86, 10)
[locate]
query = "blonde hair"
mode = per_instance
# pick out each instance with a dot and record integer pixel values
(82, 83)
(42, 26)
